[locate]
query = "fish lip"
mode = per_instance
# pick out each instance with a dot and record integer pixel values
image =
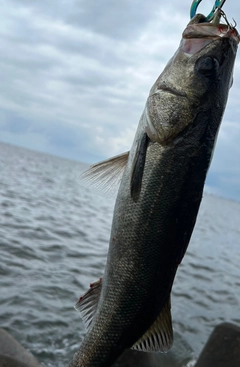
(171, 90)
(194, 46)
(210, 31)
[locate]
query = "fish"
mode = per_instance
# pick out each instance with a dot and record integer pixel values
(161, 188)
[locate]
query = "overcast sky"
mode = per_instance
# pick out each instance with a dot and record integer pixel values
(75, 75)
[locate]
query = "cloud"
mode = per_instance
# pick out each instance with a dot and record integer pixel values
(224, 173)
(76, 75)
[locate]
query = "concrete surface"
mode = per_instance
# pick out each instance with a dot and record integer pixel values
(222, 348)
(12, 354)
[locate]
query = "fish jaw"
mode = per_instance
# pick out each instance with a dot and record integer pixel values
(176, 85)
(198, 35)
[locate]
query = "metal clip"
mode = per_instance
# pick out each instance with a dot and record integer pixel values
(218, 5)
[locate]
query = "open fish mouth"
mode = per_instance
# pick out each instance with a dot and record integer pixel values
(200, 33)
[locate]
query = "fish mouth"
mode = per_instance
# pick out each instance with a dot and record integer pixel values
(171, 90)
(200, 33)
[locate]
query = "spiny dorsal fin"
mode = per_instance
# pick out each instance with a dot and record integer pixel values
(88, 303)
(138, 167)
(159, 337)
(104, 177)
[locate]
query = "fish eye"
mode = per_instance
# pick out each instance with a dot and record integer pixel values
(207, 66)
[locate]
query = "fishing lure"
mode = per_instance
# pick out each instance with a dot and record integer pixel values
(218, 5)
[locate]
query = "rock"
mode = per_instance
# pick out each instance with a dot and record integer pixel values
(9, 362)
(12, 354)
(222, 348)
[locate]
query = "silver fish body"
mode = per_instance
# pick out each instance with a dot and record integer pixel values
(153, 219)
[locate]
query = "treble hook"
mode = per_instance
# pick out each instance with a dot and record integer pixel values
(218, 5)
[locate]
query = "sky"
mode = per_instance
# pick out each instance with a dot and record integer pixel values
(75, 76)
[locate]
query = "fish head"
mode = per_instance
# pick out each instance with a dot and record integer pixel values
(207, 53)
(198, 76)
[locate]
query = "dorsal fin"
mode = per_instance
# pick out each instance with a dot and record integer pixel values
(138, 167)
(104, 177)
(159, 337)
(88, 303)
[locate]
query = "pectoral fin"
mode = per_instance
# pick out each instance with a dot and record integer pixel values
(104, 177)
(138, 167)
(88, 303)
(159, 337)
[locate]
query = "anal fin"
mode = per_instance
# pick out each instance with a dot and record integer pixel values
(138, 167)
(159, 337)
(88, 303)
